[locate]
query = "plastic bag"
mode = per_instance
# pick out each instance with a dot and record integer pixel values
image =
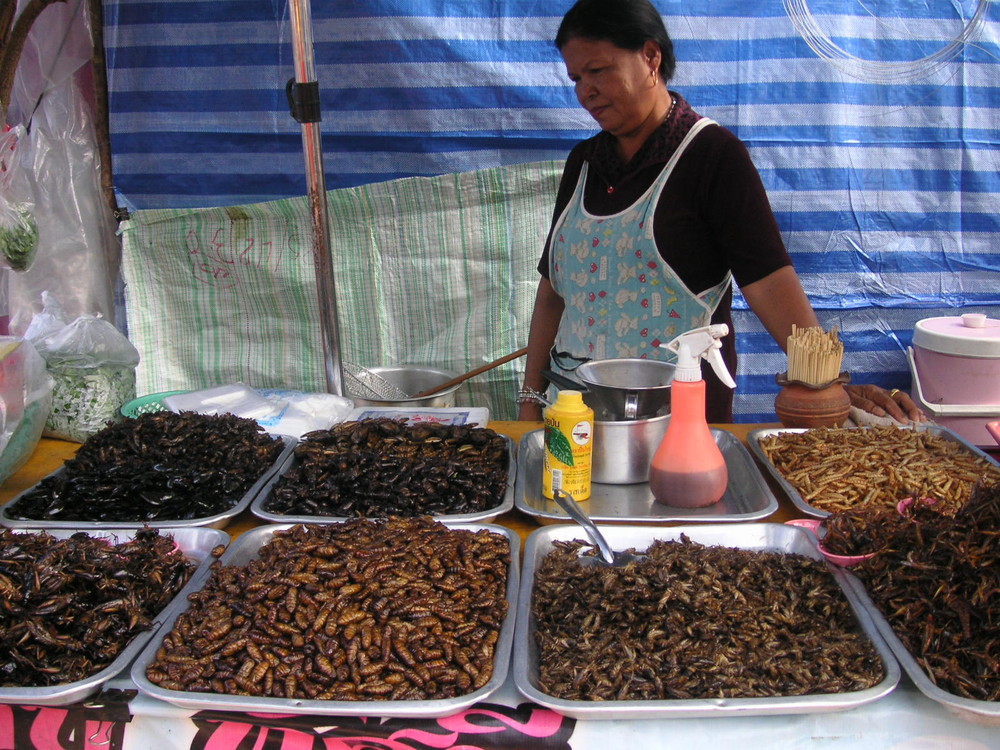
(78, 249)
(235, 398)
(18, 229)
(299, 413)
(92, 366)
(279, 412)
(25, 402)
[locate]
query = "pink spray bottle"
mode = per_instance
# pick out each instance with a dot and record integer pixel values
(688, 470)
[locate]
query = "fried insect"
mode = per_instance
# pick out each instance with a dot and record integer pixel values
(70, 606)
(378, 632)
(159, 466)
(937, 581)
(380, 467)
(836, 469)
(692, 621)
(860, 531)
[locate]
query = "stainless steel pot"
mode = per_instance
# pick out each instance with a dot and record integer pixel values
(623, 450)
(627, 388)
(415, 379)
(630, 387)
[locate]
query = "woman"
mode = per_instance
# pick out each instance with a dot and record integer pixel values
(654, 218)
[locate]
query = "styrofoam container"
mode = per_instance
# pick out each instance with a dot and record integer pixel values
(955, 365)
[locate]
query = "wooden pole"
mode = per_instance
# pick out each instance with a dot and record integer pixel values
(95, 15)
(15, 34)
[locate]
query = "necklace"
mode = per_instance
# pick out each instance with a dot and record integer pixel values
(670, 111)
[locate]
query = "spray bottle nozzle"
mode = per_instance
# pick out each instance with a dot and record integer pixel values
(697, 344)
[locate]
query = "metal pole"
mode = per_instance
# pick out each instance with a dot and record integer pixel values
(306, 92)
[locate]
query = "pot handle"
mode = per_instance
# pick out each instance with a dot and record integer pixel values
(563, 382)
(631, 405)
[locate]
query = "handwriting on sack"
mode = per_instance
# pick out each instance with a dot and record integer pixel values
(231, 255)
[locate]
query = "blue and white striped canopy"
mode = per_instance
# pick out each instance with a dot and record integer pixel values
(874, 125)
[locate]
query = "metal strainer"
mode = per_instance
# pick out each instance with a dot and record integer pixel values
(363, 383)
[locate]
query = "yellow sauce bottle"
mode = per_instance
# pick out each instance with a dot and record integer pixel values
(569, 443)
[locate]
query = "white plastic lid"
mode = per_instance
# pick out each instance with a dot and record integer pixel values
(969, 335)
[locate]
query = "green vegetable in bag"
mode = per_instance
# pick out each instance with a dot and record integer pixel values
(85, 399)
(18, 237)
(18, 228)
(92, 365)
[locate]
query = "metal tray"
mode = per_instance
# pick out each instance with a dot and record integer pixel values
(218, 521)
(483, 516)
(755, 436)
(979, 712)
(195, 543)
(747, 498)
(244, 549)
(752, 536)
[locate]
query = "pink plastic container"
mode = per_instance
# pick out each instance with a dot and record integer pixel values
(815, 525)
(904, 505)
(955, 364)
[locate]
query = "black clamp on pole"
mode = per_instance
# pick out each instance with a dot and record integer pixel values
(303, 100)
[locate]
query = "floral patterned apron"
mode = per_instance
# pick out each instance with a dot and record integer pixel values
(621, 298)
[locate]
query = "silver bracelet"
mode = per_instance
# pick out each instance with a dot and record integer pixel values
(530, 396)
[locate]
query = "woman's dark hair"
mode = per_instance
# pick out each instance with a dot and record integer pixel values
(627, 24)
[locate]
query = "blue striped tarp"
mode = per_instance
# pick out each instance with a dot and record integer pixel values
(875, 132)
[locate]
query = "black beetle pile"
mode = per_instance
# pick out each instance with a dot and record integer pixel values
(159, 466)
(381, 467)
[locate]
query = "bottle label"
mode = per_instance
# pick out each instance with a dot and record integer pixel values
(568, 449)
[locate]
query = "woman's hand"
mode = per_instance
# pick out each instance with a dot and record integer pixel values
(529, 412)
(541, 334)
(882, 403)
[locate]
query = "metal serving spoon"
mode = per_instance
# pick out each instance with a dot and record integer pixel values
(607, 555)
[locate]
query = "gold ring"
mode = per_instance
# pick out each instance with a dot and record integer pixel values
(893, 392)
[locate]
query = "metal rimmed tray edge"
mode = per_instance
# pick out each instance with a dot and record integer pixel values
(195, 543)
(753, 536)
(980, 712)
(748, 496)
(755, 436)
(217, 521)
(245, 548)
(483, 516)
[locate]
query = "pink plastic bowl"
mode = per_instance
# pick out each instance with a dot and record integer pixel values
(813, 525)
(903, 506)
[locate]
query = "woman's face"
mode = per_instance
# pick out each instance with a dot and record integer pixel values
(616, 86)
